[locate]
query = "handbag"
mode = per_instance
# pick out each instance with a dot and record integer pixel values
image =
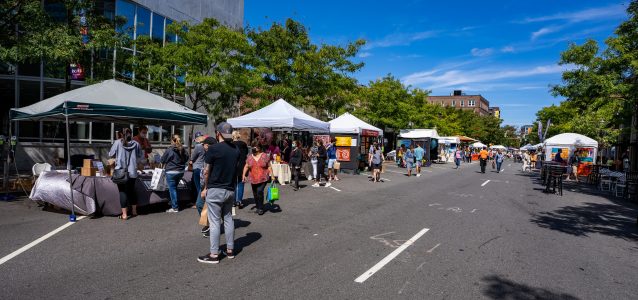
(273, 193)
(203, 218)
(120, 176)
(337, 165)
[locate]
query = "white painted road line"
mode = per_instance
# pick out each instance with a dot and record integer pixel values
(40, 240)
(437, 245)
(390, 257)
(336, 189)
(484, 183)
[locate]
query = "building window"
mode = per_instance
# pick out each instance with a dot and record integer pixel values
(126, 10)
(170, 37)
(143, 25)
(462, 103)
(454, 103)
(471, 103)
(101, 131)
(158, 28)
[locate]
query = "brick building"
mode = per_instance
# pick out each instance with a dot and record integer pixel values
(477, 103)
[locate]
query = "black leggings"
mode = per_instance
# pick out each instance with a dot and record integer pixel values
(321, 166)
(258, 194)
(127, 193)
(296, 172)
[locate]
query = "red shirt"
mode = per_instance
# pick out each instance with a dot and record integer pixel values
(258, 168)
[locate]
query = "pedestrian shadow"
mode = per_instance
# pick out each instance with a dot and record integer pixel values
(611, 219)
(246, 241)
(502, 288)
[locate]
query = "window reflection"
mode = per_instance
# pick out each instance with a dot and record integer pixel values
(170, 37)
(158, 28)
(143, 22)
(126, 10)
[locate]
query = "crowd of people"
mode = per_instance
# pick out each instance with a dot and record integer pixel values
(221, 166)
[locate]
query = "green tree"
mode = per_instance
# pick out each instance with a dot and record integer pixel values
(29, 34)
(386, 103)
(212, 65)
(305, 74)
(602, 89)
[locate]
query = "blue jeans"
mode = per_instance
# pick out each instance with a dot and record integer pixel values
(239, 192)
(197, 176)
(498, 166)
(172, 179)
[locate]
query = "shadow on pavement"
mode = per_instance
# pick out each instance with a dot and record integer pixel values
(502, 288)
(246, 240)
(617, 220)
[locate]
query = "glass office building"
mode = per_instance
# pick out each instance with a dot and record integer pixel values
(26, 84)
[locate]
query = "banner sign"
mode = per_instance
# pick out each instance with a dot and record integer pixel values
(564, 153)
(76, 72)
(343, 141)
(343, 153)
(324, 138)
(368, 132)
(585, 155)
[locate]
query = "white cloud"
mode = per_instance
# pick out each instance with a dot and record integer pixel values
(365, 54)
(545, 31)
(600, 13)
(482, 52)
(400, 39)
(453, 78)
(508, 49)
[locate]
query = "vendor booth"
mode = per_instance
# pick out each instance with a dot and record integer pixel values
(448, 144)
(108, 101)
(570, 143)
(353, 140)
(428, 138)
(281, 116)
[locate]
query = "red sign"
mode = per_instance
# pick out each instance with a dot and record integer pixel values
(343, 153)
(368, 132)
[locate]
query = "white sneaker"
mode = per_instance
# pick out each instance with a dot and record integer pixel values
(315, 185)
(172, 210)
(418, 175)
(328, 184)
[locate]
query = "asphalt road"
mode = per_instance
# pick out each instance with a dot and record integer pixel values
(503, 239)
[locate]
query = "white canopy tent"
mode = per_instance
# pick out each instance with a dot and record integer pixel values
(348, 123)
(418, 133)
(478, 145)
(571, 141)
(280, 115)
(499, 147)
(449, 140)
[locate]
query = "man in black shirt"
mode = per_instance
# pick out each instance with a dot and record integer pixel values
(220, 176)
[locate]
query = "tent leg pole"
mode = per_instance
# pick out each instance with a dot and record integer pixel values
(72, 217)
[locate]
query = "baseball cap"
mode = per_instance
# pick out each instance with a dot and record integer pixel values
(198, 134)
(225, 129)
(209, 141)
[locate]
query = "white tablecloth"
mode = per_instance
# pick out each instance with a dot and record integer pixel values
(282, 172)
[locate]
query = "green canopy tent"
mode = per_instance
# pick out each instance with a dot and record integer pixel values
(107, 101)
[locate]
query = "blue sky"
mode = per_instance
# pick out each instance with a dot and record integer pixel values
(506, 51)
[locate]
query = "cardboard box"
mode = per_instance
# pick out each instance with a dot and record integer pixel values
(88, 163)
(89, 171)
